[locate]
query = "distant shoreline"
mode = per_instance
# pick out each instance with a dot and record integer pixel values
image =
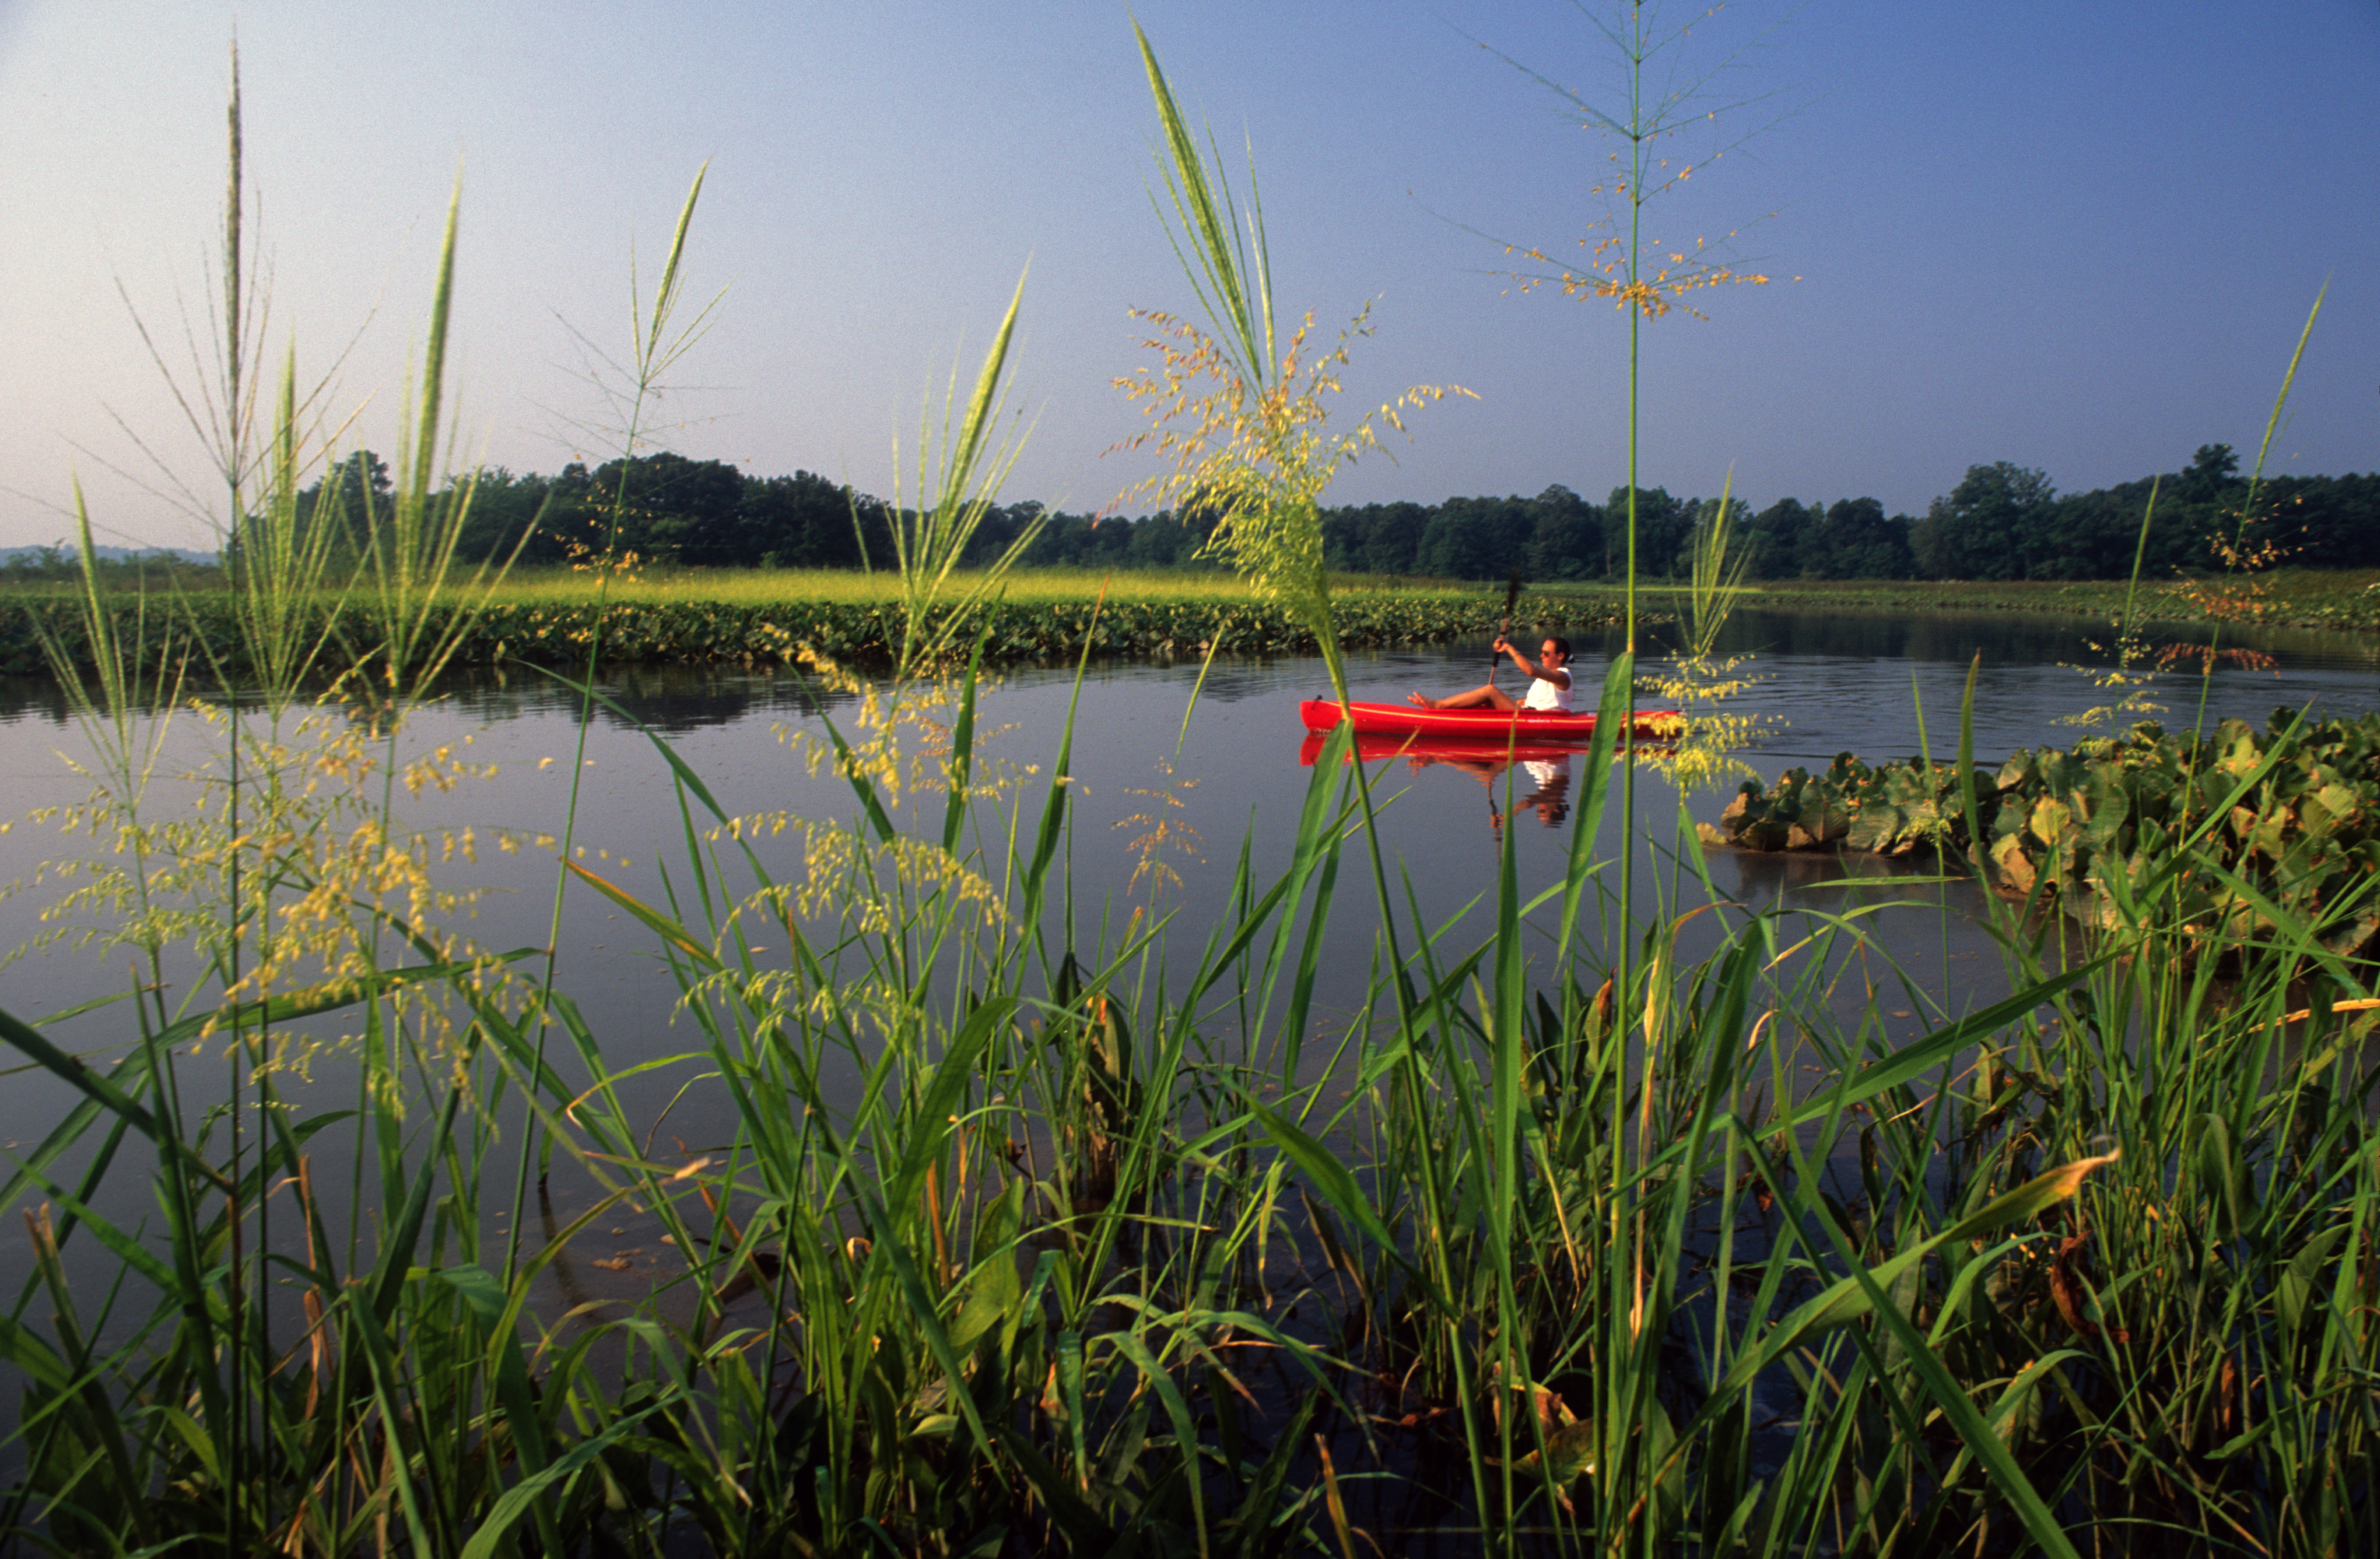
(760, 618)
(2341, 601)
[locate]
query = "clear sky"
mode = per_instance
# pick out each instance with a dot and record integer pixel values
(2077, 236)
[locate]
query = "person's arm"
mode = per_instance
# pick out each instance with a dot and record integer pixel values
(1557, 675)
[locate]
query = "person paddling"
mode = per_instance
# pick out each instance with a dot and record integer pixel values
(1549, 682)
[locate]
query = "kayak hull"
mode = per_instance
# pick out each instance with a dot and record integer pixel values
(1535, 727)
(1497, 750)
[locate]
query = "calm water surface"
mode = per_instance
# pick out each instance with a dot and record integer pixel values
(1878, 687)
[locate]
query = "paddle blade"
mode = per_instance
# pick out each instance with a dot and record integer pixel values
(1504, 629)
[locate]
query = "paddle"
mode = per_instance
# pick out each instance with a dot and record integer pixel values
(1503, 637)
(1504, 630)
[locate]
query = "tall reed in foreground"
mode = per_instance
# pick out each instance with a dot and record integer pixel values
(171, 1416)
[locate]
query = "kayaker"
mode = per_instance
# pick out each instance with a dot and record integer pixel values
(1549, 682)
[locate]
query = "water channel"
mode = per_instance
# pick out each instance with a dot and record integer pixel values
(1222, 774)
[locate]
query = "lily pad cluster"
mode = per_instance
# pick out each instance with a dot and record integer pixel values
(1893, 808)
(2093, 827)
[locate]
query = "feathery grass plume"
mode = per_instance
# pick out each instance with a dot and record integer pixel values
(633, 391)
(2250, 549)
(1664, 92)
(958, 475)
(282, 886)
(1715, 575)
(868, 872)
(1027, 1238)
(1240, 415)
(262, 448)
(2131, 671)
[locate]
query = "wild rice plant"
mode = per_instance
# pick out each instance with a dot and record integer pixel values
(1238, 411)
(257, 1376)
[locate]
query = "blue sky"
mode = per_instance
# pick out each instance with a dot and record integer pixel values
(2077, 238)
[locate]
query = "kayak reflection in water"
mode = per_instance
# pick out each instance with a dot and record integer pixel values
(1549, 682)
(1551, 776)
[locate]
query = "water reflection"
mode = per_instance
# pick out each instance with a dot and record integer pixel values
(1811, 879)
(1860, 682)
(669, 699)
(1546, 782)
(1878, 687)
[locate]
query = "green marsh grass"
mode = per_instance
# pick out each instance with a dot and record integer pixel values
(1037, 1230)
(619, 620)
(2345, 600)
(1033, 587)
(525, 587)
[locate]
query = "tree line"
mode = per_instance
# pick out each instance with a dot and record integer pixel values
(2002, 521)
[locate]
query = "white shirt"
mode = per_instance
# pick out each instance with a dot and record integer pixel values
(1546, 694)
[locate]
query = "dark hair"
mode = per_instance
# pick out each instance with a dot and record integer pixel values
(1559, 643)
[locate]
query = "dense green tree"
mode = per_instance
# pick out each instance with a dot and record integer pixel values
(352, 496)
(1377, 539)
(1662, 524)
(1704, 512)
(801, 521)
(2213, 470)
(505, 509)
(1567, 540)
(2327, 522)
(1996, 524)
(997, 529)
(1854, 540)
(1775, 536)
(1171, 540)
(2001, 521)
(666, 508)
(1477, 538)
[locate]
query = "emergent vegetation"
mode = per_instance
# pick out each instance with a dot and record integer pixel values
(774, 621)
(1029, 1237)
(2083, 829)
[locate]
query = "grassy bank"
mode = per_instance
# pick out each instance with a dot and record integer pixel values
(2346, 600)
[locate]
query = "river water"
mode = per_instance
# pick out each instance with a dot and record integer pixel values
(1222, 774)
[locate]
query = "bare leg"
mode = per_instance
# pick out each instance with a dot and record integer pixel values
(1487, 697)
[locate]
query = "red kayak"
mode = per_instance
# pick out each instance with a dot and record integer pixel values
(1448, 749)
(1534, 727)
